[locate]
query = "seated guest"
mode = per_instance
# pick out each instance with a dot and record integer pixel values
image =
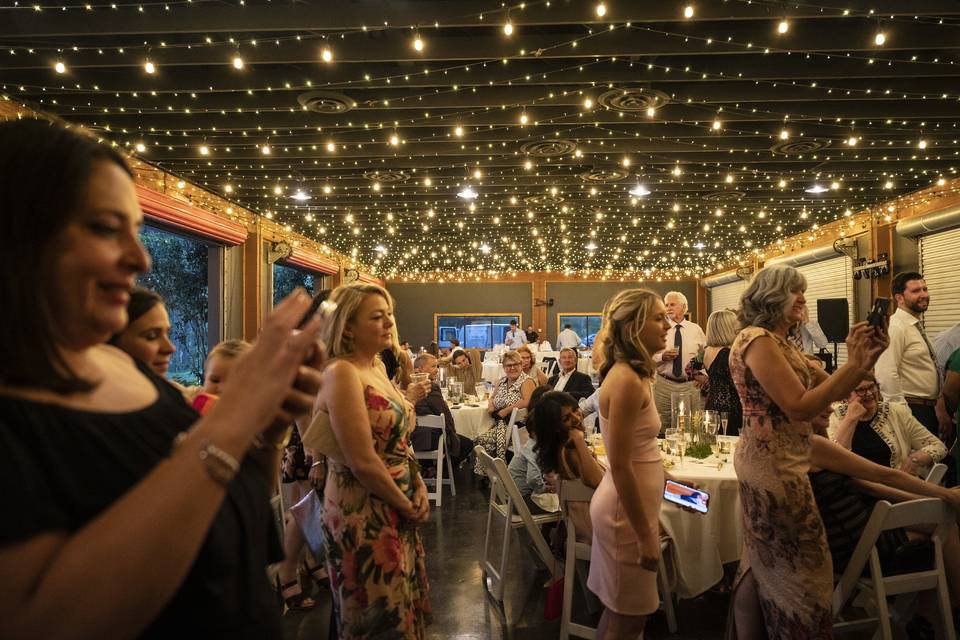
(147, 334)
(722, 329)
(529, 365)
(433, 404)
(540, 344)
(532, 334)
(590, 409)
(568, 379)
(884, 432)
(462, 371)
(434, 349)
(513, 391)
(846, 487)
(556, 428)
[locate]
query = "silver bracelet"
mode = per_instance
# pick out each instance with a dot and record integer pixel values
(220, 465)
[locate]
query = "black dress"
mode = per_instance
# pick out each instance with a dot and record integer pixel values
(61, 467)
(722, 395)
(868, 444)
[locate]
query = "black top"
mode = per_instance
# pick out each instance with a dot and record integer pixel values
(433, 404)
(868, 444)
(722, 394)
(61, 467)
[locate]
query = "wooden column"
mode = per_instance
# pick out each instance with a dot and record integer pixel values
(699, 311)
(254, 263)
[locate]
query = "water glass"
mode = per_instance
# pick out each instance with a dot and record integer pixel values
(481, 391)
(724, 418)
(671, 438)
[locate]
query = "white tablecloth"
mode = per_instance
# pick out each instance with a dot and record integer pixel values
(471, 421)
(702, 544)
(585, 365)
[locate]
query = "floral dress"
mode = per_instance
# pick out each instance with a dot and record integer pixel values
(376, 560)
(495, 439)
(785, 544)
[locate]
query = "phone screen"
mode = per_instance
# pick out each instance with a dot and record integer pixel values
(686, 496)
(879, 312)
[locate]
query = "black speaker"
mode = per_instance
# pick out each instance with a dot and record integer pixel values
(833, 316)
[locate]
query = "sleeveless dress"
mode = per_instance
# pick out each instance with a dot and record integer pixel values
(378, 575)
(722, 395)
(785, 544)
(616, 576)
(495, 439)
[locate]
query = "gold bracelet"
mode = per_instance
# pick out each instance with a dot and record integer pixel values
(220, 465)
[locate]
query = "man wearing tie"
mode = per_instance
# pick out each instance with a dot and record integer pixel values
(684, 341)
(907, 370)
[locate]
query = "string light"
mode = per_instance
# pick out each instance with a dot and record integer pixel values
(880, 38)
(922, 144)
(717, 124)
(458, 131)
(149, 67)
(688, 11)
(601, 10)
(331, 147)
(59, 67)
(326, 55)
(784, 134)
(783, 27)
(418, 43)
(508, 28)
(204, 150)
(237, 62)
(140, 147)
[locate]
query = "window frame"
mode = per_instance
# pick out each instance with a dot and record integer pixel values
(562, 315)
(436, 324)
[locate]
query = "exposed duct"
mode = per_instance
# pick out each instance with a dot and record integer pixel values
(721, 278)
(937, 221)
(813, 255)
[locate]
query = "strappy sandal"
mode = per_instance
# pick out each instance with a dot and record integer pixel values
(296, 601)
(316, 573)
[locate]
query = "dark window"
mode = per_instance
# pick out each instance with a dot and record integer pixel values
(179, 274)
(473, 331)
(585, 325)
(286, 279)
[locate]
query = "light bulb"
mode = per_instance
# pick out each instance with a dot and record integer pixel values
(528, 165)
(237, 62)
(376, 186)
(427, 182)
(588, 103)
(277, 190)
(651, 112)
(458, 131)
(716, 125)
(394, 140)
(880, 38)
(181, 184)
(922, 144)
(523, 118)
(783, 27)
(326, 54)
(60, 67)
(331, 147)
(852, 141)
(140, 147)
(784, 134)
(688, 11)
(228, 188)
(204, 150)
(478, 174)
(149, 67)
(418, 44)
(677, 170)
(626, 162)
(941, 182)
(265, 149)
(782, 183)
(601, 10)
(508, 28)
(327, 189)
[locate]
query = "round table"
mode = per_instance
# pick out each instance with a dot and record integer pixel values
(471, 421)
(702, 544)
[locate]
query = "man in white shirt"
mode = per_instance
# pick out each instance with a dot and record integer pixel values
(568, 338)
(684, 341)
(945, 344)
(514, 339)
(568, 378)
(907, 370)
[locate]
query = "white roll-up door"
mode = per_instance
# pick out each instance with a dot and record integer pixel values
(727, 296)
(938, 264)
(832, 278)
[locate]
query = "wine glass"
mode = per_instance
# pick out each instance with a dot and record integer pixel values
(711, 422)
(724, 418)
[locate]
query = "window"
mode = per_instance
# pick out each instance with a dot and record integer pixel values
(473, 330)
(286, 279)
(585, 325)
(179, 274)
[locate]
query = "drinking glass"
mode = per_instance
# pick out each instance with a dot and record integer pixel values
(419, 378)
(724, 417)
(481, 391)
(671, 438)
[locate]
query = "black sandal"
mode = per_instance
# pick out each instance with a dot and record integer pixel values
(317, 573)
(297, 601)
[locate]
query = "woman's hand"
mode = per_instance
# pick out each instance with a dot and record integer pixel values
(866, 343)
(650, 551)
(855, 411)
(420, 502)
(914, 461)
(277, 380)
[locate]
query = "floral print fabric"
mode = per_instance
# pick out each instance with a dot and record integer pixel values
(376, 560)
(785, 545)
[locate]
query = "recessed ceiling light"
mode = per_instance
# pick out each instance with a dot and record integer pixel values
(300, 196)
(816, 188)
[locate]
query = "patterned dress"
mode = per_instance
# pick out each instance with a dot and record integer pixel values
(785, 545)
(375, 559)
(495, 439)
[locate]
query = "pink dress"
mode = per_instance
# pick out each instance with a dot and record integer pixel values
(616, 576)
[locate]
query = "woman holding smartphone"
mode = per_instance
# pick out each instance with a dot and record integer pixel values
(626, 506)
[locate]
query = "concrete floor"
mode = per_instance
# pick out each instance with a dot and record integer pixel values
(454, 541)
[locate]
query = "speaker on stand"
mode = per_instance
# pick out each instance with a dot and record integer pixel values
(833, 316)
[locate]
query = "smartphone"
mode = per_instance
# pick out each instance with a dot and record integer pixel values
(686, 496)
(204, 402)
(879, 312)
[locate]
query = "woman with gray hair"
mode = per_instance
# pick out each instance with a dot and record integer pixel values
(722, 395)
(785, 579)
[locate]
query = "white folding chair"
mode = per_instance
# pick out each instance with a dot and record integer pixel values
(506, 503)
(885, 516)
(439, 455)
(516, 438)
(576, 557)
(936, 473)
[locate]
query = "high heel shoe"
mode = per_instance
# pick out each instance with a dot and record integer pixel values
(296, 600)
(316, 573)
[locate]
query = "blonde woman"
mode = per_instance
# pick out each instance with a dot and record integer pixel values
(722, 327)
(785, 581)
(513, 391)
(529, 365)
(374, 498)
(625, 509)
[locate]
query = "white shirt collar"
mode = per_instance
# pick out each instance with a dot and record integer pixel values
(564, 375)
(906, 316)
